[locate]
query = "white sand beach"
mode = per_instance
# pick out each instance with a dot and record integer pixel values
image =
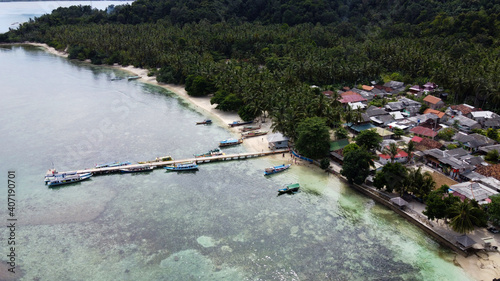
(483, 266)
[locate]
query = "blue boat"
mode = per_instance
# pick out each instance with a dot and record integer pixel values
(291, 188)
(239, 123)
(182, 167)
(113, 164)
(204, 122)
(276, 169)
(230, 142)
(68, 179)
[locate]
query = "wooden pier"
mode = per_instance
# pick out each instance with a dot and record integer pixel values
(199, 160)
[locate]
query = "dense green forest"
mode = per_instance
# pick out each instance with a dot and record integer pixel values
(261, 57)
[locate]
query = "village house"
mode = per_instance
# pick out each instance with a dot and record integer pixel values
(488, 148)
(438, 113)
(416, 89)
(431, 87)
(447, 163)
(463, 123)
(482, 116)
(472, 142)
(385, 134)
(493, 123)
(396, 86)
(433, 102)
(411, 107)
(401, 157)
(460, 109)
(424, 132)
(351, 97)
(473, 191)
(277, 141)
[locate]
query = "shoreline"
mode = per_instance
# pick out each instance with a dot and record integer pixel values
(478, 266)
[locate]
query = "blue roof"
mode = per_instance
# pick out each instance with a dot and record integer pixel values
(361, 127)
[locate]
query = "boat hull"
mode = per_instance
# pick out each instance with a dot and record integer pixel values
(69, 179)
(291, 188)
(276, 169)
(137, 170)
(182, 167)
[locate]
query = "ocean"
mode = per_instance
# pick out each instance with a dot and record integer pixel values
(222, 222)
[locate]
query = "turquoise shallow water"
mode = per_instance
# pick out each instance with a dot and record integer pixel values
(223, 222)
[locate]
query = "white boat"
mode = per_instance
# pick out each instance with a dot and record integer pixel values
(69, 179)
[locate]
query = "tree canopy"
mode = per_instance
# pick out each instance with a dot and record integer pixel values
(368, 139)
(356, 166)
(313, 138)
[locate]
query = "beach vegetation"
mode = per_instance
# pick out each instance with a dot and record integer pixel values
(356, 165)
(267, 59)
(313, 138)
(368, 139)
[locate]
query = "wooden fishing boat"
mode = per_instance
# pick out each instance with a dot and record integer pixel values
(113, 164)
(276, 169)
(204, 122)
(68, 179)
(239, 123)
(291, 188)
(253, 134)
(182, 167)
(133, 77)
(214, 152)
(230, 142)
(53, 174)
(250, 128)
(158, 159)
(145, 168)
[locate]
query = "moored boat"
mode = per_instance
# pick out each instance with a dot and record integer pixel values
(253, 134)
(68, 179)
(239, 123)
(250, 128)
(53, 174)
(133, 77)
(210, 153)
(182, 167)
(276, 169)
(294, 187)
(113, 164)
(204, 122)
(145, 168)
(230, 142)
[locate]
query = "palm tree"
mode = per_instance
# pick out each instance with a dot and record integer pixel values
(410, 147)
(462, 217)
(392, 151)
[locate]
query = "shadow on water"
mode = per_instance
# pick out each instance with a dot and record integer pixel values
(181, 172)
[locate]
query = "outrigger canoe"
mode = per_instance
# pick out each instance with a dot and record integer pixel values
(276, 169)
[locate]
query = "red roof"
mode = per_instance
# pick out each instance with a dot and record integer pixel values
(416, 139)
(435, 112)
(367, 88)
(351, 97)
(401, 153)
(432, 99)
(463, 108)
(419, 130)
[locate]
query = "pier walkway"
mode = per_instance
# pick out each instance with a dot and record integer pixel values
(199, 160)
